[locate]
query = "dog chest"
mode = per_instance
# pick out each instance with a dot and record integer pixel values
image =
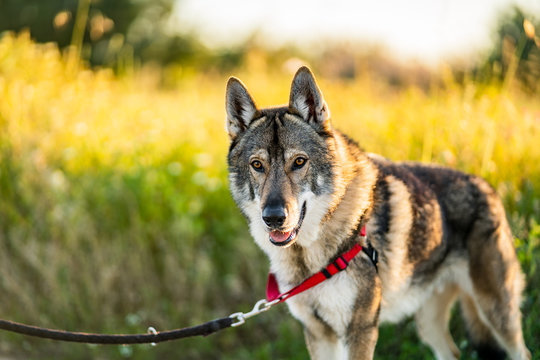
(331, 302)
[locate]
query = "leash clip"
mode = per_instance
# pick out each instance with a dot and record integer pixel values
(152, 330)
(260, 306)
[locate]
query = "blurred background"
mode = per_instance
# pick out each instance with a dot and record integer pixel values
(114, 208)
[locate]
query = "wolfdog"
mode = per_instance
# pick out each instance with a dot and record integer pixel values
(441, 235)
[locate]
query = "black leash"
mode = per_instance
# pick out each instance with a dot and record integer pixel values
(152, 337)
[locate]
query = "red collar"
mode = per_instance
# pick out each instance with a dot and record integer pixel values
(340, 264)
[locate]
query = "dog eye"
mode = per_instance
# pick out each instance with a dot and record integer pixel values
(257, 166)
(299, 162)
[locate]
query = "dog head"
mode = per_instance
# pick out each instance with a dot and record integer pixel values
(281, 162)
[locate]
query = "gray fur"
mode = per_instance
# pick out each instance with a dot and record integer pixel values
(441, 234)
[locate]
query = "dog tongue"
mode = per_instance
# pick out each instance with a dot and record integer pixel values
(279, 236)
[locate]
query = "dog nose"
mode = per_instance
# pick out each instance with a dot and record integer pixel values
(274, 216)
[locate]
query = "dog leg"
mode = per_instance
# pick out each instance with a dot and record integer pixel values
(323, 346)
(486, 346)
(504, 321)
(362, 347)
(432, 324)
(363, 330)
(497, 280)
(505, 327)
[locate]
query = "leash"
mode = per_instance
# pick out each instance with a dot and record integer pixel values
(151, 337)
(273, 297)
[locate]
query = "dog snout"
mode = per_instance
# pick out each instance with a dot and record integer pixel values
(274, 216)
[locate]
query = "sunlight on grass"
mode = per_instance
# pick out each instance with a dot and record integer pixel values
(115, 213)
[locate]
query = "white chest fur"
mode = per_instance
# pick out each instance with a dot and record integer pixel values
(333, 301)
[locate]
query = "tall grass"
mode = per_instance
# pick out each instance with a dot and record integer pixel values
(115, 213)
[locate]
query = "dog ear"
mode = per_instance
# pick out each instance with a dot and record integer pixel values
(307, 100)
(240, 107)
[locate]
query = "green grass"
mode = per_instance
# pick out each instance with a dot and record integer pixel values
(115, 213)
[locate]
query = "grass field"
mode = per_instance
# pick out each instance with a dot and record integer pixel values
(115, 213)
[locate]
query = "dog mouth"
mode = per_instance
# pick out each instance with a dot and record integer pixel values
(280, 238)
